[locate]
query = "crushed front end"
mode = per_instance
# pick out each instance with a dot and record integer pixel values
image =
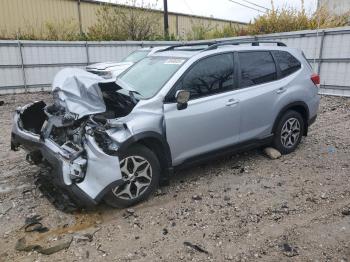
(70, 139)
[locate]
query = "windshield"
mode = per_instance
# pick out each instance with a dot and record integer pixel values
(149, 75)
(136, 56)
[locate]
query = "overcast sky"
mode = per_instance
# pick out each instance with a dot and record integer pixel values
(224, 8)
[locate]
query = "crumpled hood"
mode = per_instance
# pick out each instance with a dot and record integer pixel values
(78, 91)
(106, 65)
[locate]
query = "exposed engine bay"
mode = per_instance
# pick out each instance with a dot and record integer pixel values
(71, 136)
(66, 129)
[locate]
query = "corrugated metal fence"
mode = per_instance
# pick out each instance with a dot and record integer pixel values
(31, 65)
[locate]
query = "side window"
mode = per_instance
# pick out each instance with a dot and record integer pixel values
(209, 76)
(287, 63)
(256, 68)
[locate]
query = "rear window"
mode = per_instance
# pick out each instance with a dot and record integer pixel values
(287, 63)
(256, 68)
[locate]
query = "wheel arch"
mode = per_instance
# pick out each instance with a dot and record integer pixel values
(300, 107)
(154, 142)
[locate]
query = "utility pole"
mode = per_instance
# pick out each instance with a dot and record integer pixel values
(166, 19)
(79, 18)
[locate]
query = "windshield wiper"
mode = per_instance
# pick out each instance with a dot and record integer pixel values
(124, 85)
(132, 95)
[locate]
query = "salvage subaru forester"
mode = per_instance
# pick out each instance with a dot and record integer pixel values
(115, 141)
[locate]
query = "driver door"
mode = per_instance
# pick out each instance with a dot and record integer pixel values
(212, 116)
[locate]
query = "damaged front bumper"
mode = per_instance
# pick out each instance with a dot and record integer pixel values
(86, 174)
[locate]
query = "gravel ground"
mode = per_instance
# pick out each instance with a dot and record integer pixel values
(242, 207)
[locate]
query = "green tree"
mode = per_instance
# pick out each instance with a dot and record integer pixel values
(130, 22)
(289, 19)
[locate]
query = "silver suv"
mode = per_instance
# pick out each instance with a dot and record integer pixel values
(109, 70)
(115, 141)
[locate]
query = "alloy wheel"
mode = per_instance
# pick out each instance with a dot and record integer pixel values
(290, 132)
(137, 175)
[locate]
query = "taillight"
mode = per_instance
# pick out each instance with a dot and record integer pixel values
(315, 78)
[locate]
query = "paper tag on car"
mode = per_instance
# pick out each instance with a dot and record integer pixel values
(173, 61)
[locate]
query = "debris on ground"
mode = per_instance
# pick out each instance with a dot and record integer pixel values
(345, 211)
(2, 103)
(33, 223)
(165, 231)
(196, 247)
(4, 209)
(21, 245)
(83, 238)
(86, 235)
(272, 153)
(104, 253)
(160, 192)
(57, 197)
(129, 213)
(227, 198)
(196, 197)
(289, 250)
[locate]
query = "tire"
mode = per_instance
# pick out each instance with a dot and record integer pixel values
(288, 132)
(131, 193)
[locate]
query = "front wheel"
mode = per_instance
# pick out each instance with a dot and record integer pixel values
(140, 171)
(289, 132)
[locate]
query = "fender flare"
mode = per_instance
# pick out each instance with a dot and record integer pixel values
(289, 106)
(149, 134)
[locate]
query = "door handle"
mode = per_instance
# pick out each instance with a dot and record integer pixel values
(232, 102)
(281, 90)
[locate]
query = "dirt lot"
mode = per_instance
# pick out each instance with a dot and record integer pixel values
(242, 207)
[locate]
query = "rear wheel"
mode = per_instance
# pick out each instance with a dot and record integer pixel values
(140, 171)
(289, 132)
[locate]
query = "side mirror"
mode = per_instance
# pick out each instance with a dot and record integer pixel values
(182, 97)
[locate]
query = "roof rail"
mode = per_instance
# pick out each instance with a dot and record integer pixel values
(216, 43)
(208, 43)
(235, 42)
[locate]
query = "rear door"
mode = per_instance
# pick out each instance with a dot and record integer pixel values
(258, 94)
(211, 119)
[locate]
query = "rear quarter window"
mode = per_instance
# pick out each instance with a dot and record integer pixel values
(288, 64)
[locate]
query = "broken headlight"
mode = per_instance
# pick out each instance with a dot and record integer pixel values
(77, 169)
(115, 124)
(103, 140)
(103, 74)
